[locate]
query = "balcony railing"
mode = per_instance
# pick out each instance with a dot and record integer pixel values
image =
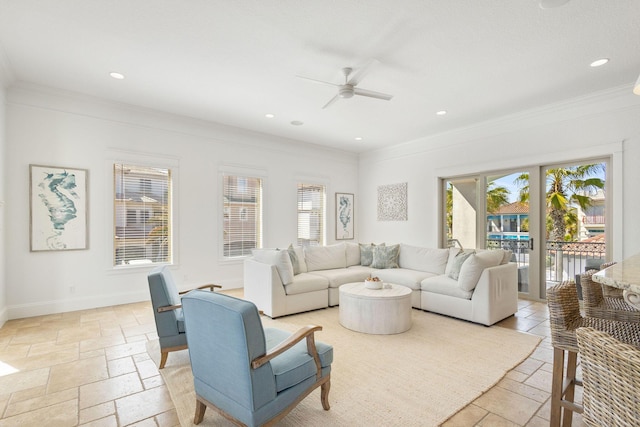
(594, 219)
(563, 260)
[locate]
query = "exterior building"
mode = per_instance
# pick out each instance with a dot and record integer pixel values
(510, 222)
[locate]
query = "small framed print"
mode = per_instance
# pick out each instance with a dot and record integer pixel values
(344, 216)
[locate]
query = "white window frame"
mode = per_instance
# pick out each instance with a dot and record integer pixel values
(131, 207)
(152, 160)
(302, 210)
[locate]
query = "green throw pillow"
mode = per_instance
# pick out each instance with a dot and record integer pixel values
(457, 264)
(366, 253)
(385, 256)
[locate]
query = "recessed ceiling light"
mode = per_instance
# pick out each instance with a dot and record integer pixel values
(116, 75)
(269, 116)
(297, 123)
(441, 112)
(358, 138)
(599, 62)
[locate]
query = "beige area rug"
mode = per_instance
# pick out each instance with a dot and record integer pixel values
(417, 378)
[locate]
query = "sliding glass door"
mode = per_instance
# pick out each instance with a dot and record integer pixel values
(552, 218)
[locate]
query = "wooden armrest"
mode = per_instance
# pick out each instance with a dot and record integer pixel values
(304, 332)
(168, 308)
(210, 286)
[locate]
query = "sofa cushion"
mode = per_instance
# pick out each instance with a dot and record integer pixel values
(403, 276)
(456, 265)
(306, 282)
(296, 364)
(353, 253)
(340, 276)
(297, 259)
(423, 259)
(279, 258)
(366, 253)
(385, 256)
(444, 285)
(473, 267)
(325, 257)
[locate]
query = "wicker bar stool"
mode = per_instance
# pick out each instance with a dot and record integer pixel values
(610, 291)
(598, 305)
(564, 319)
(611, 379)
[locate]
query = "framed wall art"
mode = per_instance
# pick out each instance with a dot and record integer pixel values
(58, 208)
(392, 202)
(344, 216)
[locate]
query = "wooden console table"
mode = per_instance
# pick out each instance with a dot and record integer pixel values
(624, 275)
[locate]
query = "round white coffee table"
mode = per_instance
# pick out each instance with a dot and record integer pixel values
(375, 311)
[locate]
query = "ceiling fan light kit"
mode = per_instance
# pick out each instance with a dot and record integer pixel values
(349, 89)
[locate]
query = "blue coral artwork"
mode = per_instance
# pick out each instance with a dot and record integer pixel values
(58, 208)
(344, 216)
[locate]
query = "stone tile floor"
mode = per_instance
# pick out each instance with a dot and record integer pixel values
(90, 368)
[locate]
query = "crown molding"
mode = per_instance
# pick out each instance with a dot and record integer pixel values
(615, 99)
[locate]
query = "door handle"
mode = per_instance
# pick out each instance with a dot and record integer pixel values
(530, 244)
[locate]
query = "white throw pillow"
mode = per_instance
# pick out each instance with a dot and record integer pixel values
(279, 258)
(325, 257)
(474, 266)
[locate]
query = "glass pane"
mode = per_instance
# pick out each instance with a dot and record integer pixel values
(575, 197)
(508, 220)
(142, 232)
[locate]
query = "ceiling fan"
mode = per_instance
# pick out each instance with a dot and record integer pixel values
(349, 88)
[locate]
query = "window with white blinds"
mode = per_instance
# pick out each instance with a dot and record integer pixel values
(142, 215)
(311, 208)
(242, 210)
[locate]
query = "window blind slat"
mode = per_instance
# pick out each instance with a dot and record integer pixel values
(142, 217)
(242, 206)
(311, 208)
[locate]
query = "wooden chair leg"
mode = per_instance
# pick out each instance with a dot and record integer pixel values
(556, 387)
(572, 361)
(200, 408)
(324, 395)
(163, 357)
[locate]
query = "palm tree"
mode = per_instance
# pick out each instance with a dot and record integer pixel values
(496, 197)
(566, 187)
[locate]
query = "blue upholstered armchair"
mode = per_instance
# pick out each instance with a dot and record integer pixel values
(167, 311)
(250, 375)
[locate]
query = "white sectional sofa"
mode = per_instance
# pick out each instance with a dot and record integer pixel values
(480, 286)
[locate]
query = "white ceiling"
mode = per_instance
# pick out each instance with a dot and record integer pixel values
(233, 61)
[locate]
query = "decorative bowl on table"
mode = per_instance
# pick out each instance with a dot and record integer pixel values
(373, 283)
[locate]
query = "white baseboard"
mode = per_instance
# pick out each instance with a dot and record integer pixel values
(4, 316)
(71, 304)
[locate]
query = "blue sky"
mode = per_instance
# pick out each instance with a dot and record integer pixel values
(507, 182)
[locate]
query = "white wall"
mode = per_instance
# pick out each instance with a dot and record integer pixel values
(3, 286)
(593, 126)
(48, 127)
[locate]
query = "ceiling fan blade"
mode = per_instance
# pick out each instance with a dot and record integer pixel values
(362, 71)
(322, 82)
(333, 100)
(372, 94)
